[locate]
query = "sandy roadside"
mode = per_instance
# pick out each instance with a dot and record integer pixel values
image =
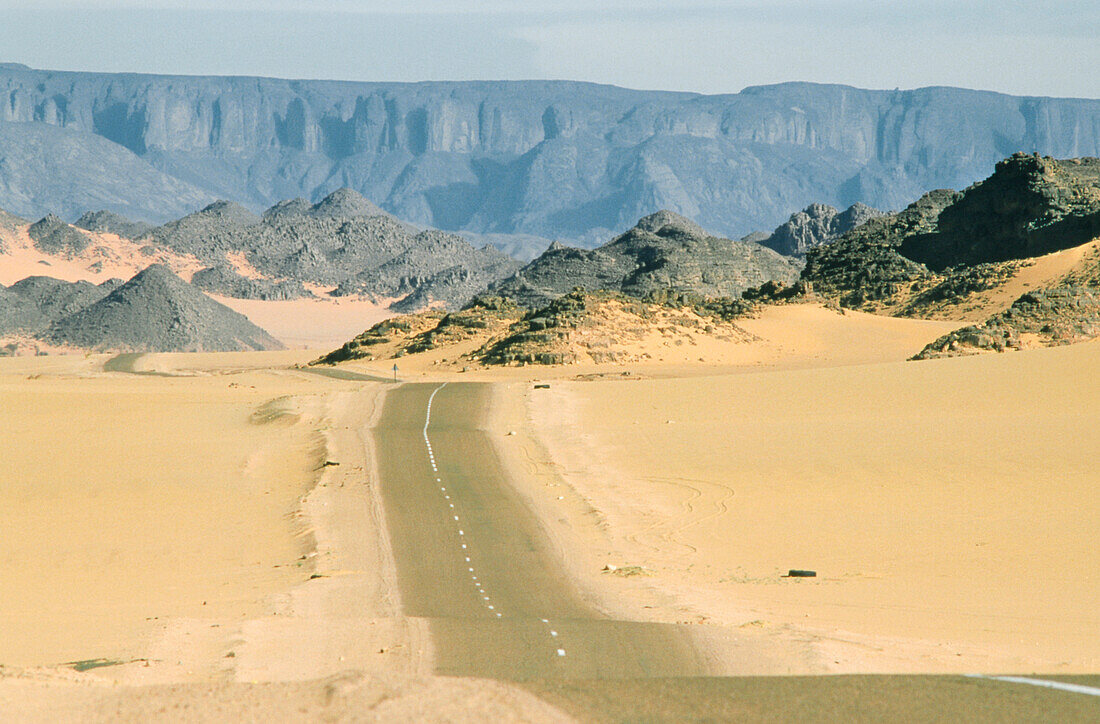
(184, 524)
(948, 506)
(132, 501)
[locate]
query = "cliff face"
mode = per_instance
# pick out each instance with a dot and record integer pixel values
(548, 158)
(815, 225)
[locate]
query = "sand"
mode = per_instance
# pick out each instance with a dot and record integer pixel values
(1035, 273)
(178, 525)
(128, 501)
(794, 336)
(948, 507)
(318, 323)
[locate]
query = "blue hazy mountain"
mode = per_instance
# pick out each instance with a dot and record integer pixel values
(555, 159)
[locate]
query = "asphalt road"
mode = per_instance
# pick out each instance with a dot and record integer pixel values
(470, 557)
(471, 560)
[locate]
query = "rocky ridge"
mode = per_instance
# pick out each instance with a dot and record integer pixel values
(949, 247)
(577, 327)
(53, 236)
(603, 327)
(31, 306)
(343, 242)
(949, 244)
(112, 223)
(1030, 206)
(664, 253)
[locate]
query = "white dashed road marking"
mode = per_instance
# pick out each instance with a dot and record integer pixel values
(462, 533)
(1045, 683)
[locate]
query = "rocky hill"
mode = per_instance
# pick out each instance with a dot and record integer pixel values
(815, 225)
(864, 268)
(31, 306)
(343, 243)
(554, 159)
(578, 327)
(112, 223)
(663, 254)
(467, 329)
(53, 236)
(1033, 225)
(156, 311)
(1029, 206)
(604, 327)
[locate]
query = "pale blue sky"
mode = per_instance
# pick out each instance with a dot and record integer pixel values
(1033, 48)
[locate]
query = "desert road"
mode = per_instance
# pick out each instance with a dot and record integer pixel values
(470, 557)
(472, 561)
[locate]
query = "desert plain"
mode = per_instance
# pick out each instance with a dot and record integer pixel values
(205, 536)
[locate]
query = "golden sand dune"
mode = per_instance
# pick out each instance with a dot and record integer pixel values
(128, 502)
(779, 337)
(1033, 274)
(948, 507)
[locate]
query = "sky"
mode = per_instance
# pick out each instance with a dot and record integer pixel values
(1025, 48)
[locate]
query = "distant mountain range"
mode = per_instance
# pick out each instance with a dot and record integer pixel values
(567, 160)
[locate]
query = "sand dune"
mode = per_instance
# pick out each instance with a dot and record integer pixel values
(1036, 273)
(949, 507)
(784, 337)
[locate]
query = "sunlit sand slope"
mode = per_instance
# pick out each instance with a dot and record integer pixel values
(949, 507)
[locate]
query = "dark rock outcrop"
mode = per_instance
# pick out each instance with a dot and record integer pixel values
(950, 243)
(815, 225)
(156, 311)
(865, 265)
(112, 223)
(664, 253)
(53, 236)
(1051, 317)
(1030, 206)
